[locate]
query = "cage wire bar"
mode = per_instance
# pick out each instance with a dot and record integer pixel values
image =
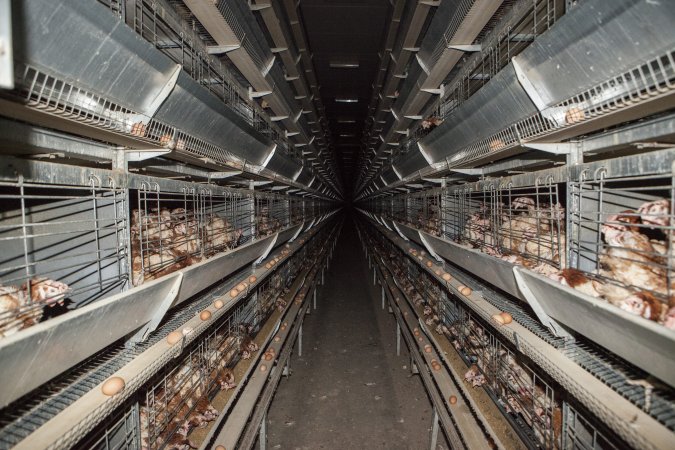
(63, 247)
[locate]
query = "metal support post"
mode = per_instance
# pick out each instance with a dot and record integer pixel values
(262, 437)
(300, 341)
(434, 430)
(398, 339)
(315, 298)
(382, 297)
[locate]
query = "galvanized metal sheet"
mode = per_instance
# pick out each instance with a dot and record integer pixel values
(283, 165)
(596, 41)
(60, 343)
(193, 109)
(646, 344)
(82, 41)
(500, 103)
(411, 162)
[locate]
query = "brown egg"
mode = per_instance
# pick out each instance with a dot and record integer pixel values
(436, 366)
(420, 257)
(282, 328)
(421, 339)
(271, 351)
(277, 338)
(465, 290)
(272, 263)
(263, 368)
(220, 447)
(268, 266)
(405, 313)
(241, 287)
(508, 318)
(252, 279)
(285, 324)
(438, 272)
(498, 318)
(430, 264)
(205, 315)
(234, 292)
(416, 331)
(112, 386)
(269, 357)
(174, 337)
(453, 399)
(574, 115)
(427, 348)
(446, 276)
(218, 304)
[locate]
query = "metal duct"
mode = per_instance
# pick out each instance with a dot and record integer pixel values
(389, 176)
(305, 176)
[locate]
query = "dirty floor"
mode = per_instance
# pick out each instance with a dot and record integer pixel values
(349, 390)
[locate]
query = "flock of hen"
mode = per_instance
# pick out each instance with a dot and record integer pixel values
(633, 260)
(512, 382)
(165, 241)
(162, 241)
(181, 404)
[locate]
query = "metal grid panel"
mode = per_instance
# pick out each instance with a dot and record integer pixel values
(50, 94)
(63, 247)
(172, 230)
(522, 225)
(622, 238)
(272, 214)
(121, 432)
(580, 434)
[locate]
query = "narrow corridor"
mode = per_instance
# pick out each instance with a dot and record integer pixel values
(349, 389)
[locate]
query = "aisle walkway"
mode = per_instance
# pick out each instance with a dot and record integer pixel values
(349, 390)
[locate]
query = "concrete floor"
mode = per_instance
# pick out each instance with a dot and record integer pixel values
(349, 390)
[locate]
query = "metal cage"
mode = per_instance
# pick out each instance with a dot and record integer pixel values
(63, 247)
(622, 239)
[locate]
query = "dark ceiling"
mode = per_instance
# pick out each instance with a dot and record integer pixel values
(346, 31)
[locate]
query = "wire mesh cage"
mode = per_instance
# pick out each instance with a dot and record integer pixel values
(581, 434)
(622, 239)
(272, 214)
(172, 230)
(179, 399)
(120, 431)
(523, 225)
(528, 400)
(63, 247)
(539, 410)
(423, 211)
